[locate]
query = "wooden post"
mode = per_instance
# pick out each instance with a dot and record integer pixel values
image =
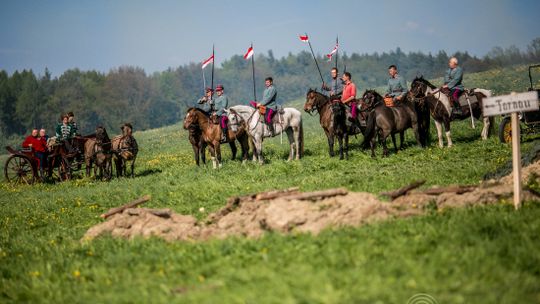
(516, 160)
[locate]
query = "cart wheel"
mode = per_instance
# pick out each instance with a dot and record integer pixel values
(64, 169)
(19, 170)
(505, 130)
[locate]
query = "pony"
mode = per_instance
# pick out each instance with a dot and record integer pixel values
(125, 149)
(98, 150)
(384, 121)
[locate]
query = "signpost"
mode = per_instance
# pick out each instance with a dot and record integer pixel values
(513, 104)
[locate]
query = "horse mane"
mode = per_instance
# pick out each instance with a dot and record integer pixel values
(424, 81)
(198, 110)
(372, 91)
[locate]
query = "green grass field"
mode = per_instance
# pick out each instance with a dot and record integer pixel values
(473, 255)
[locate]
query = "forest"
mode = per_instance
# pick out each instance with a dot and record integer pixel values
(129, 94)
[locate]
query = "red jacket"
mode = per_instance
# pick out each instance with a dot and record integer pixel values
(38, 144)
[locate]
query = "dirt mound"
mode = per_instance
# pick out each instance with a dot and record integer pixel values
(289, 211)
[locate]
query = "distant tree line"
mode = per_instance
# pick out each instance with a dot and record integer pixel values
(149, 101)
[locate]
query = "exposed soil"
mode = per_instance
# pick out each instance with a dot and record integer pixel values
(252, 218)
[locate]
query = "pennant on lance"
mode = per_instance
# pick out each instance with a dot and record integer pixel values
(249, 53)
(304, 38)
(208, 61)
(329, 56)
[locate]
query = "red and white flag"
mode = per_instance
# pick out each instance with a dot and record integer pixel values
(329, 56)
(249, 53)
(304, 38)
(208, 61)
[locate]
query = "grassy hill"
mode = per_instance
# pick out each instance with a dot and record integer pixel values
(474, 255)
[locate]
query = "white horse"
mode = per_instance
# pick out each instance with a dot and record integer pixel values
(290, 122)
(441, 108)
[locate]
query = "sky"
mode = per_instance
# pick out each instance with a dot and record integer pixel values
(155, 35)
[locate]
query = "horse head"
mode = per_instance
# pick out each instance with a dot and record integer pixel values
(420, 85)
(235, 120)
(371, 97)
(314, 100)
(191, 120)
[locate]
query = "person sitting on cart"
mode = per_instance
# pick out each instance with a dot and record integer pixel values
(65, 134)
(39, 147)
(74, 126)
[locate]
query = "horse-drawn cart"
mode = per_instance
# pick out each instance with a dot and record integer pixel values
(23, 167)
(530, 121)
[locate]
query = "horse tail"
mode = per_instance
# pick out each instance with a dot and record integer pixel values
(370, 129)
(301, 138)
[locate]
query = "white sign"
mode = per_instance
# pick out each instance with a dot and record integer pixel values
(505, 104)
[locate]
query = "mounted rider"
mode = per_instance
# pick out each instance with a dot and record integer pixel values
(335, 87)
(453, 83)
(397, 87)
(206, 103)
(268, 105)
(348, 97)
(221, 103)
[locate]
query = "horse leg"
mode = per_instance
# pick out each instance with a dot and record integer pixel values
(233, 149)
(383, 137)
(133, 166)
(340, 142)
(393, 135)
(401, 139)
(291, 137)
(346, 145)
(258, 147)
(297, 141)
(202, 152)
(417, 134)
(448, 134)
(195, 154)
(244, 145)
(438, 125)
(330, 137)
(485, 129)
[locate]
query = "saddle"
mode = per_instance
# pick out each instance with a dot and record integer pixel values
(462, 98)
(389, 101)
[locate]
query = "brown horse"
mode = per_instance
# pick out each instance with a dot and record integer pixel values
(332, 116)
(441, 109)
(384, 121)
(199, 146)
(125, 149)
(211, 134)
(98, 150)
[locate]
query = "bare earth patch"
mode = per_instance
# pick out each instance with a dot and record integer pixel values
(285, 214)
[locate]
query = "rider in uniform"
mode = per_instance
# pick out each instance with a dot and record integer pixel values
(206, 103)
(335, 87)
(453, 83)
(397, 85)
(220, 104)
(268, 101)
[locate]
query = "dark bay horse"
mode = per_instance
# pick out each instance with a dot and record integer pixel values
(211, 135)
(384, 121)
(441, 109)
(332, 116)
